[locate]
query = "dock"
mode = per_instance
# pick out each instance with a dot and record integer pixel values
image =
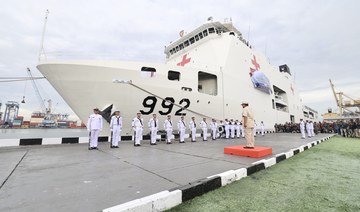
(69, 177)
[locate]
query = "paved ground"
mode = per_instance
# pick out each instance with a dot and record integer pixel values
(68, 177)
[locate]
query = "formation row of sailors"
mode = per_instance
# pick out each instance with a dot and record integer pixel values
(227, 127)
(309, 126)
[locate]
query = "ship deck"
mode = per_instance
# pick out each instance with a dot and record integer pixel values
(68, 177)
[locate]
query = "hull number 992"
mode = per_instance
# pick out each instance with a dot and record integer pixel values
(167, 104)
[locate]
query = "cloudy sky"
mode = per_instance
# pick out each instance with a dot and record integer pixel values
(318, 40)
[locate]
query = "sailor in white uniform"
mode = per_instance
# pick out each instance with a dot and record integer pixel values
(168, 126)
(237, 126)
(262, 128)
(302, 128)
(255, 125)
(213, 127)
(115, 128)
(94, 126)
(307, 125)
(203, 126)
(232, 129)
(227, 128)
(181, 127)
(138, 127)
(192, 126)
(312, 129)
(242, 130)
(153, 126)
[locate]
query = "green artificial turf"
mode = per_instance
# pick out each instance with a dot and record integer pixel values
(324, 178)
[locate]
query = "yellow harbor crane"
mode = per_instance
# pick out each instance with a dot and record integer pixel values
(344, 101)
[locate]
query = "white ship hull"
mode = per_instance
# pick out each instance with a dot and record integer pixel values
(211, 84)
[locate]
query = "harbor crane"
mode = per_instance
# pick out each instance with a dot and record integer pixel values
(344, 101)
(46, 110)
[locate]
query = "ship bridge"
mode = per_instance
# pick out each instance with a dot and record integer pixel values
(204, 33)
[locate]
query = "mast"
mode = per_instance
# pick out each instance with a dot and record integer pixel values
(42, 51)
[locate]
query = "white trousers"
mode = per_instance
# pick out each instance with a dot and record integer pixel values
(94, 136)
(168, 135)
(262, 131)
(227, 131)
(312, 132)
(254, 131)
(242, 132)
(116, 136)
(153, 135)
(213, 133)
(238, 132)
(232, 132)
(308, 132)
(182, 135)
(138, 135)
(204, 133)
(302, 130)
(193, 134)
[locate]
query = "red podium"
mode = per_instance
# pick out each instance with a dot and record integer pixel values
(257, 152)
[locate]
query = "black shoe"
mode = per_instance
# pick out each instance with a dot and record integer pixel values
(90, 148)
(193, 141)
(168, 142)
(116, 146)
(248, 147)
(112, 147)
(94, 148)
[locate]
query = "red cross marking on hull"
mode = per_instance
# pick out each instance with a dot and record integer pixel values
(184, 60)
(253, 61)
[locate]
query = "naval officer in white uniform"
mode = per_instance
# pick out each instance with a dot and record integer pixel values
(192, 126)
(302, 128)
(168, 126)
(94, 126)
(227, 128)
(262, 128)
(203, 126)
(181, 127)
(115, 128)
(214, 129)
(138, 126)
(232, 129)
(308, 128)
(237, 126)
(153, 126)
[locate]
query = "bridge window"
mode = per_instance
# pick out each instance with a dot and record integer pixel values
(211, 30)
(196, 37)
(205, 32)
(181, 46)
(186, 43)
(201, 35)
(192, 40)
(207, 83)
(174, 75)
(177, 48)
